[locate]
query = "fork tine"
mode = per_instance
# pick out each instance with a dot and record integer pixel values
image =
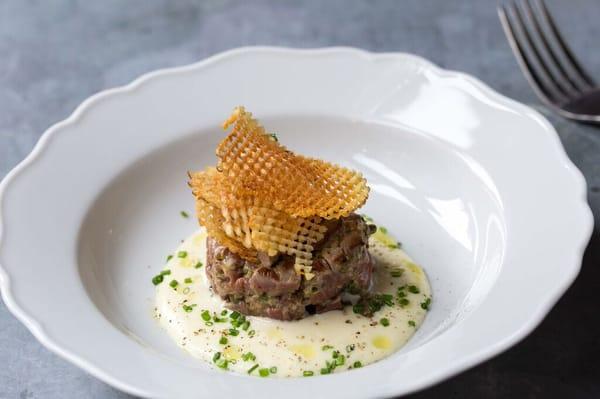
(561, 76)
(530, 64)
(576, 67)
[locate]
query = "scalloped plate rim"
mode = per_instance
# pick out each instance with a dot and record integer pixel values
(87, 105)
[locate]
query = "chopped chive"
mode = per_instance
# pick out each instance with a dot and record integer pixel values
(186, 290)
(217, 319)
(222, 363)
(249, 356)
(383, 229)
(412, 323)
(223, 340)
(273, 370)
(384, 322)
(224, 312)
(263, 372)
(174, 283)
(308, 373)
(156, 280)
(388, 299)
(425, 304)
(413, 289)
(169, 257)
(326, 347)
(350, 348)
(188, 308)
(216, 356)
(246, 325)
(403, 302)
(182, 254)
(358, 308)
(335, 354)
(357, 364)
(184, 214)
(233, 332)
(396, 272)
(251, 333)
(208, 323)
(340, 360)
(188, 280)
(251, 369)
(401, 293)
(165, 272)
(205, 315)
(234, 315)
(237, 322)
(325, 371)
(198, 265)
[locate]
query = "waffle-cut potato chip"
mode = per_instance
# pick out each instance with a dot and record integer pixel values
(263, 197)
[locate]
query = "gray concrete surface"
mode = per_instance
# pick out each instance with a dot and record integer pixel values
(54, 54)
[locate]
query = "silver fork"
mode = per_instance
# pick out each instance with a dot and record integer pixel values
(549, 65)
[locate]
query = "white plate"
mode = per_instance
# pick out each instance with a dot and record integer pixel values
(476, 186)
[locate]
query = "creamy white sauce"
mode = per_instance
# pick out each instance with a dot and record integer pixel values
(293, 347)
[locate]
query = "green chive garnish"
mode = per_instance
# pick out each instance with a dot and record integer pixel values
(156, 280)
(396, 272)
(384, 322)
(198, 265)
(246, 325)
(325, 371)
(251, 369)
(174, 283)
(165, 272)
(188, 280)
(350, 348)
(248, 357)
(188, 308)
(358, 308)
(251, 333)
(412, 323)
(263, 372)
(182, 254)
(357, 364)
(233, 332)
(273, 370)
(205, 315)
(216, 356)
(184, 214)
(425, 304)
(383, 229)
(326, 347)
(234, 315)
(413, 289)
(340, 360)
(224, 312)
(223, 340)
(222, 363)
(403, 302)
(308, 373)
(169, 257)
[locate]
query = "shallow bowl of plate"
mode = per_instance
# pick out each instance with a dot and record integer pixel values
(476, 186)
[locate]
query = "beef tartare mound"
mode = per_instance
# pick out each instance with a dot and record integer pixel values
(342, 269)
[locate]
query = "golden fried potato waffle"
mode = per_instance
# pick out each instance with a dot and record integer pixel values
(263, 197)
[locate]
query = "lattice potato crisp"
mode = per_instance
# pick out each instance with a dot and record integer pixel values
(260, 196)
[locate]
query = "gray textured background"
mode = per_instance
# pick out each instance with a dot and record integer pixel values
(54, 54)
